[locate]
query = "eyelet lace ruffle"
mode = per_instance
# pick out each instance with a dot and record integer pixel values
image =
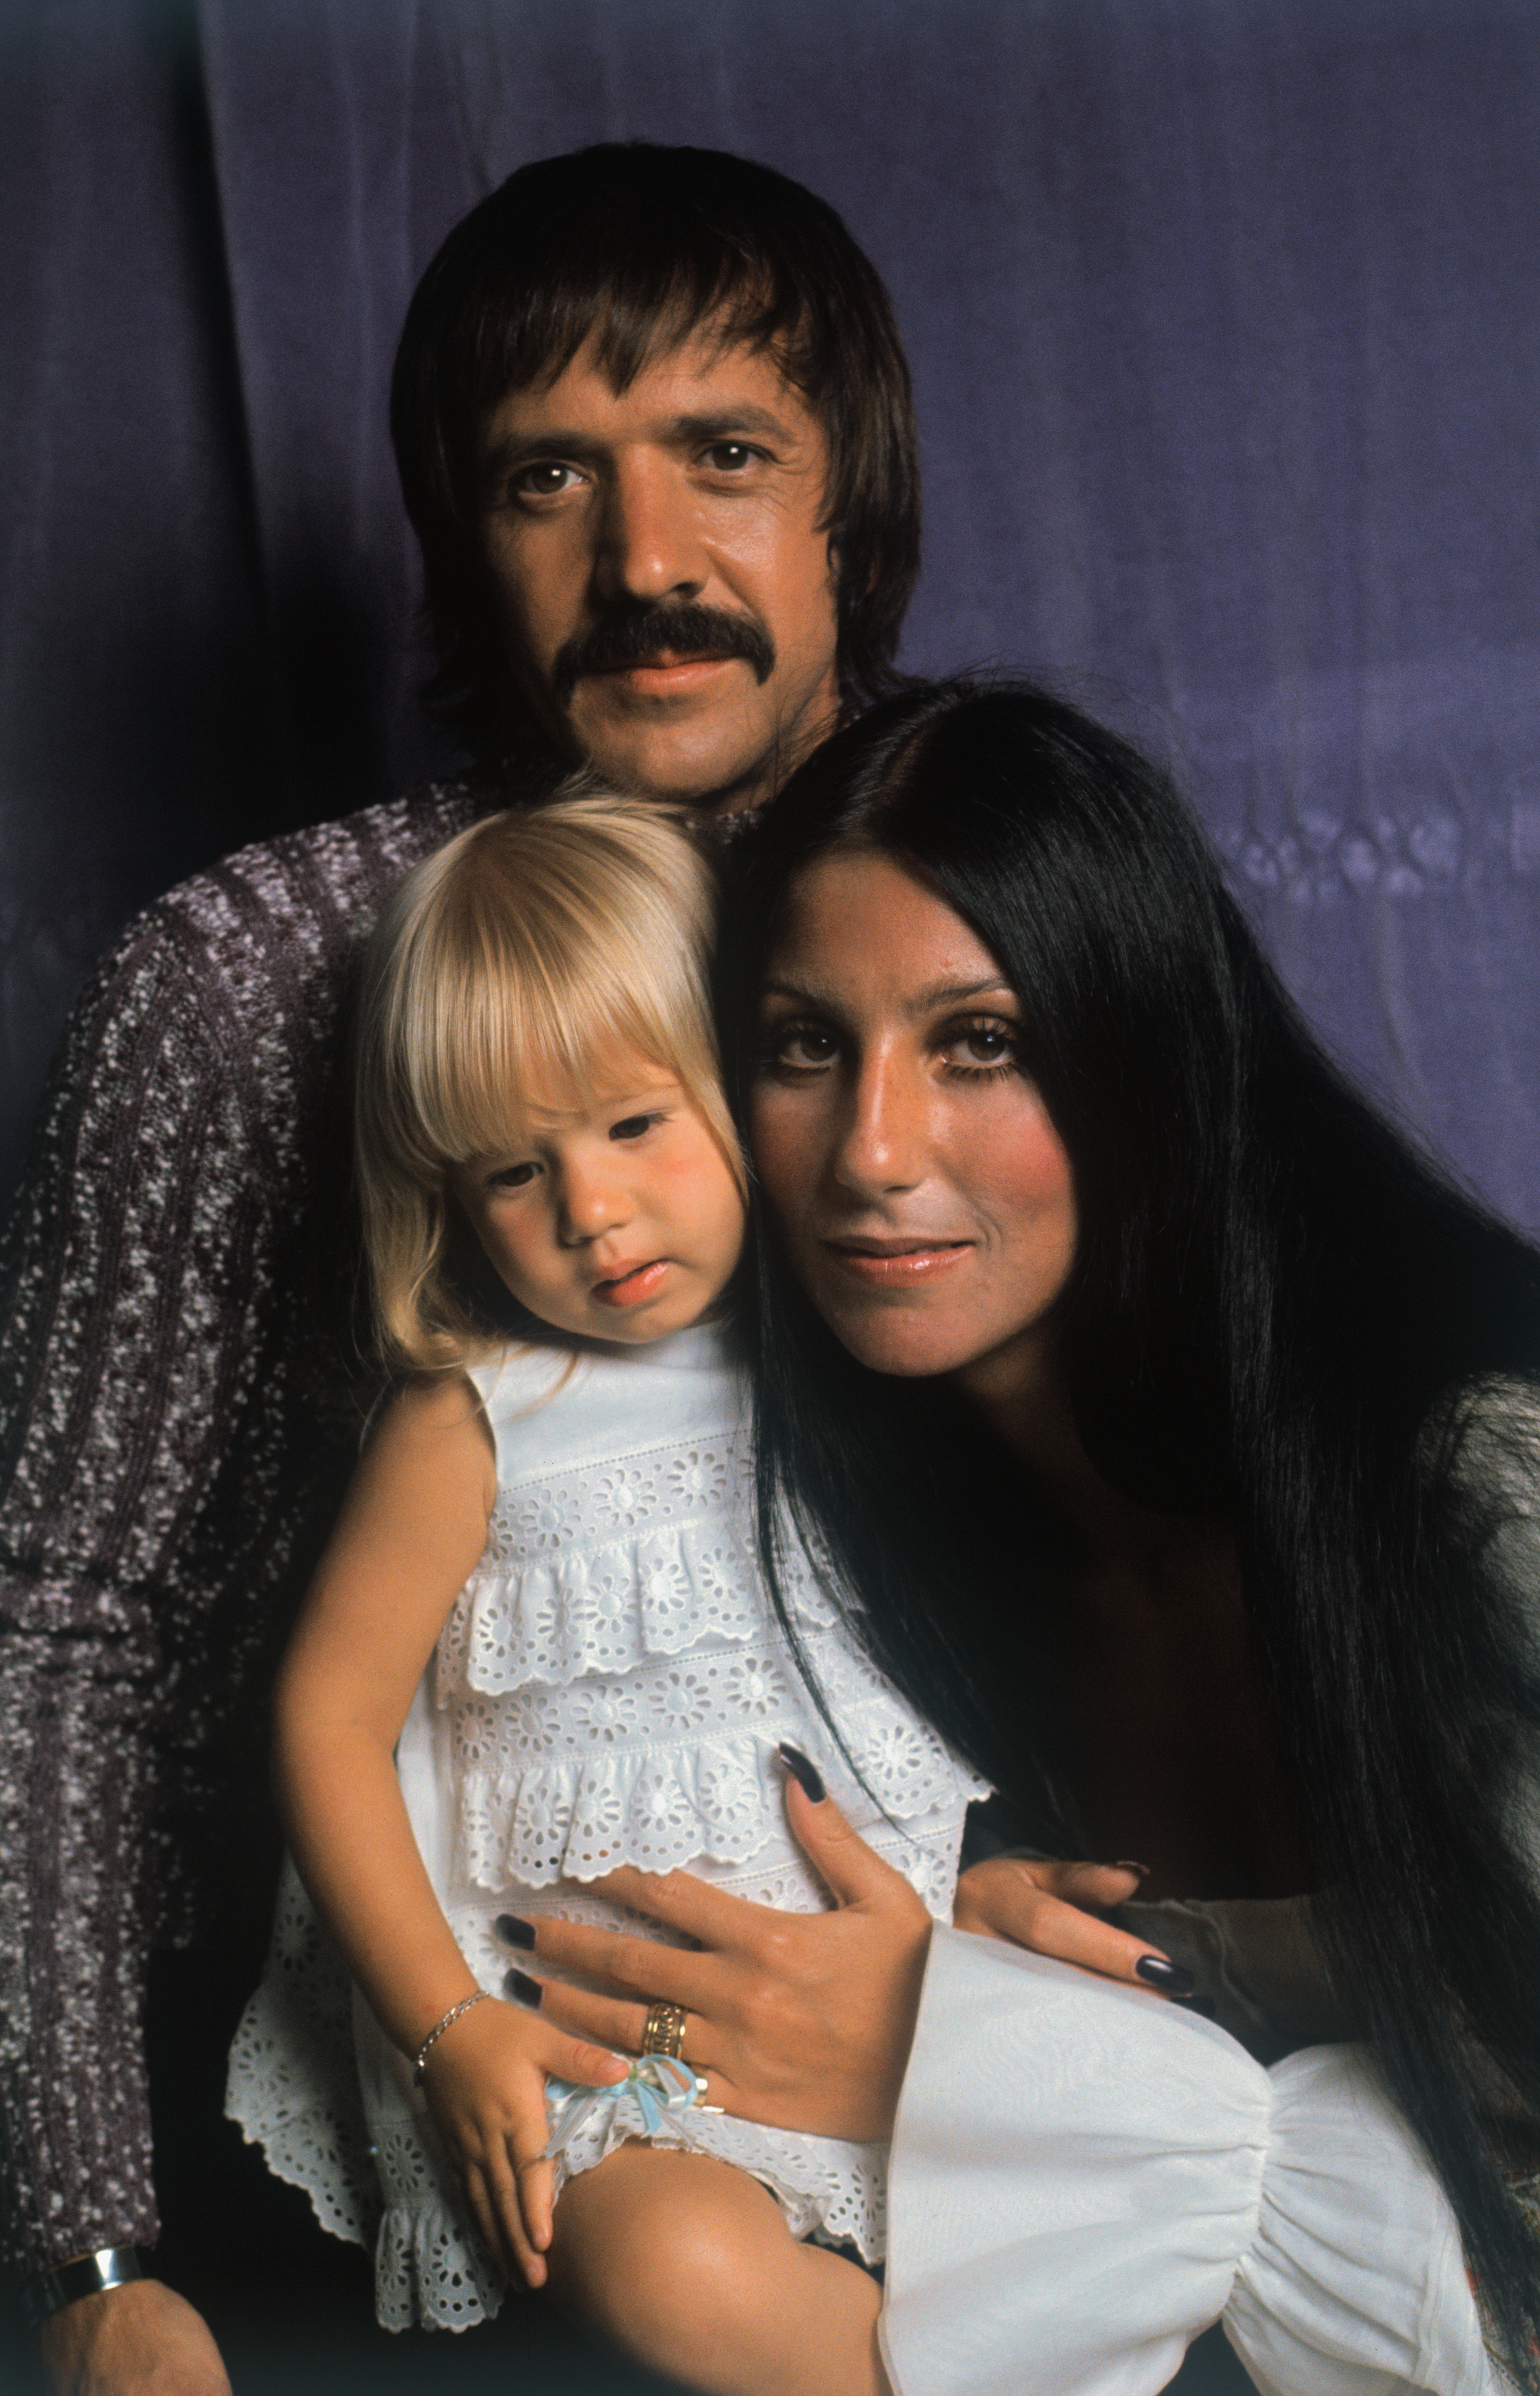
(293, 2080)
(430, 2265)
(605, 1567)
(568, 1783)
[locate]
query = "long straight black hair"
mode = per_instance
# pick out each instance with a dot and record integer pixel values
(1278, 1315)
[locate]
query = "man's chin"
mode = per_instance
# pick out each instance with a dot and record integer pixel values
(669, 759)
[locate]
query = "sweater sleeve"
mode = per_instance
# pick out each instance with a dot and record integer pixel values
(1083, 2178)
(133, 1263)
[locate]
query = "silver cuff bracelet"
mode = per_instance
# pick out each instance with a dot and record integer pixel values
(84, 2275)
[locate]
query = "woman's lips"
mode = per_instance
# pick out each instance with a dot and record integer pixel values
(897, 1265)
(630, 1287)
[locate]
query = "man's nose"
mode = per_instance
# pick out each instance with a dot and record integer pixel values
(884, 1144)
(648, 541)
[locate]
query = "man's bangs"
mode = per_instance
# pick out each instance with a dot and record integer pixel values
(643, 306)
(736, 309)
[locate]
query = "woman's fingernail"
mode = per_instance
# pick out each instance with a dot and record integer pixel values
(1173, 1978)
(522, 1988)
(512, 1932)
(1122, 1865)
(807, 1777)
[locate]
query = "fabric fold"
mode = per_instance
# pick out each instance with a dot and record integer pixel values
(1357, 2260)
(1084, 2177)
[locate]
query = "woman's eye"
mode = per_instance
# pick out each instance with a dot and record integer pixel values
(801, 1047)
(980, 1047)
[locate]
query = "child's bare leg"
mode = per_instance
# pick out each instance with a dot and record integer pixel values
(689, 2266)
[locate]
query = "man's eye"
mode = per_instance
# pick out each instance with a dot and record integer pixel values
(544, 479)
(513, 1177)
(632, 1126)
(729, 457)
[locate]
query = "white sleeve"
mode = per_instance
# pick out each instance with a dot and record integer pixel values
(1084, 2177)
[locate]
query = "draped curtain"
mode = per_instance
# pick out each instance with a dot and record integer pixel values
(1223, 317)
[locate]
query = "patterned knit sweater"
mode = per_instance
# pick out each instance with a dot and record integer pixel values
(178, 1418)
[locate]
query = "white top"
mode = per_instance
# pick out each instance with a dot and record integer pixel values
(1084, 2176)
(610, 1687)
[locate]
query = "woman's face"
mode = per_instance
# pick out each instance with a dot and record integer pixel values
(924, 1196)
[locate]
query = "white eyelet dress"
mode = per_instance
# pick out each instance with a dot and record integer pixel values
(610, 1687)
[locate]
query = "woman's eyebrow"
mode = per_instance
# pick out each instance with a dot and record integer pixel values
(918, 1002)
(955, 993)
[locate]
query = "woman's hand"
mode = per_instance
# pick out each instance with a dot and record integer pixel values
(1033, 1901)
(484, 2079)
(802, 2020)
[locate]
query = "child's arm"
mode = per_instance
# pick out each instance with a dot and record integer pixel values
(411, 1530)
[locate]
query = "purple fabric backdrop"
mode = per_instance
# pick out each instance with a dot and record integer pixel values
(1224, 320)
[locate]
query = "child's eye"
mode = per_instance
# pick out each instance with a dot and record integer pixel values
(511, 1176)
(632, 1126)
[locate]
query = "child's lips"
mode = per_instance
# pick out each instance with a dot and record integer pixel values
(632, 1284)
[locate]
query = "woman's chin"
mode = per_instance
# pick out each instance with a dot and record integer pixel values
(908, 1347)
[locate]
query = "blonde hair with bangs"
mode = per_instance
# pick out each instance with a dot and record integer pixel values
(517, 957)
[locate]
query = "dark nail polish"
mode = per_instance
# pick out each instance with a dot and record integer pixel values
(1121, 1865)
(807, 1776)
(1173, 1979)
(512, 1932)
(522, 1988)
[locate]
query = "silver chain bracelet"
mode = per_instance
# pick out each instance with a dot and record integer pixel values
(440, 2027)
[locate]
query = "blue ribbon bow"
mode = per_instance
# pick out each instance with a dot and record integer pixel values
(656, 2084)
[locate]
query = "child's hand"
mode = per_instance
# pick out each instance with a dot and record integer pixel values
(484, 2079)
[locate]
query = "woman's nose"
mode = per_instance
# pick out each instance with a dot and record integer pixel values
(883, 1146)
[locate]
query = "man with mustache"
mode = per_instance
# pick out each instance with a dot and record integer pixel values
(653, 429)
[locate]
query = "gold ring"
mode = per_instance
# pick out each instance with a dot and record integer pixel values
(663, 2031)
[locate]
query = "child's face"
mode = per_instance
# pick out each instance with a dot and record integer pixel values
(616, 1216)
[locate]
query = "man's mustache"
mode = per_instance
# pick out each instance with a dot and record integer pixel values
(630, 637)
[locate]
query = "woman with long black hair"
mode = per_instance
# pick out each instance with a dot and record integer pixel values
(1176, 1428)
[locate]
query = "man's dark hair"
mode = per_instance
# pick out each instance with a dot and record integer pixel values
(642, 245)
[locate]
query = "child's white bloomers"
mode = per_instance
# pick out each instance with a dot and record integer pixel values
(610, 1687)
